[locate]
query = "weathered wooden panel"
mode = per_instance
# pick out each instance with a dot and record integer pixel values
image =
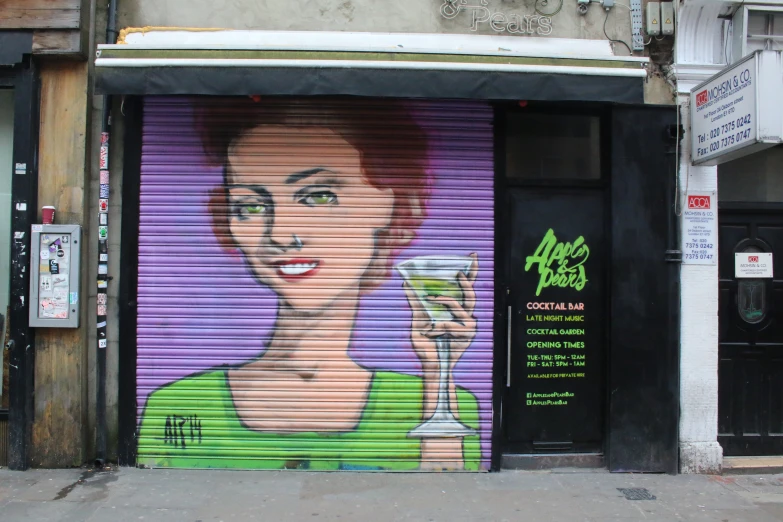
(60, 365)
(40, 4)
(59, 42)
(40, 14)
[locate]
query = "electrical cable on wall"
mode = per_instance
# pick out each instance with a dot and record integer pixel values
(606, 19)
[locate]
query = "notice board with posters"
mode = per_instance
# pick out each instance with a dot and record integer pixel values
(54, 277)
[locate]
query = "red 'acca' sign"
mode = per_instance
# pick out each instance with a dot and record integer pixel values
(699, 202)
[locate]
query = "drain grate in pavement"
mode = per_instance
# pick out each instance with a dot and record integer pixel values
(636, 494)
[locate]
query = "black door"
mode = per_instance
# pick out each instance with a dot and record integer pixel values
(554, 394)
(750, 379)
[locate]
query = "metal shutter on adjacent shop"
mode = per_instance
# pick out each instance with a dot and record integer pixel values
(245, 356)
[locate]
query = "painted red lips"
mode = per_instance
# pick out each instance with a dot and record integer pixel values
(297, 269)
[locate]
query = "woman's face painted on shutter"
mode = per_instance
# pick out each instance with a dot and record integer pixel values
(303, 213)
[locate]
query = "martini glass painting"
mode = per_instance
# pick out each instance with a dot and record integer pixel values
(432, 276)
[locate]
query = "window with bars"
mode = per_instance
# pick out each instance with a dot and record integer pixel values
(755, 28)
(764, 31)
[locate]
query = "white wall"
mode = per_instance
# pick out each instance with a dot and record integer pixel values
(698, 55)
(699, 449)
(401, 16)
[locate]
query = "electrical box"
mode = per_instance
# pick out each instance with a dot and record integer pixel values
(54, 276)
(653, 18)
(667, 18)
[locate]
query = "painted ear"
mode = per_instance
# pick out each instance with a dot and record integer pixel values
(411, 222)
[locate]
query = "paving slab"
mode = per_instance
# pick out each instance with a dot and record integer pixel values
(133, 494)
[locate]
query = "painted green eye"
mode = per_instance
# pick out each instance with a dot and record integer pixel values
(320, 198)
(254, 209)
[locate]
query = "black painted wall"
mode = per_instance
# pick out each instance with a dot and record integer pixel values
(644, 332)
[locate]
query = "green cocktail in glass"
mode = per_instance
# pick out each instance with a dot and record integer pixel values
(429, 286)
(432, 276)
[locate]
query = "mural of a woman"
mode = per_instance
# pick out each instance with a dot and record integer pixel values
(318, 199)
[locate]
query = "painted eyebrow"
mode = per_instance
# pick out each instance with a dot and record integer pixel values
(299, 176)
(259, 190)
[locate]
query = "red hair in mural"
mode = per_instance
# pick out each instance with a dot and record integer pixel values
(394, 157)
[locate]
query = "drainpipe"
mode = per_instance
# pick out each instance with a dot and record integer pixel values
(103, 256)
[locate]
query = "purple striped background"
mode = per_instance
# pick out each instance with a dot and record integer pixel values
(199, 307)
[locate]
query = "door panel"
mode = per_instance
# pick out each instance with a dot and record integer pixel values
(554, 397)
(750, 399)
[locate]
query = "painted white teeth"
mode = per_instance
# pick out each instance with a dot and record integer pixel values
(297, 269)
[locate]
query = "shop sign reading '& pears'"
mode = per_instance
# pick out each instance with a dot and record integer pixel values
(498, 21)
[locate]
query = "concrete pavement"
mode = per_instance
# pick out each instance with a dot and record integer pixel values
(568, 495)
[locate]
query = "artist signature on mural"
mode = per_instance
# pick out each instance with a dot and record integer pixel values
(553, 252)
(178, 428)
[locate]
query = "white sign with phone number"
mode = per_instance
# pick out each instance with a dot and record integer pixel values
(700, 229)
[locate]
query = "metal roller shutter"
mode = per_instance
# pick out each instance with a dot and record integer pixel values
(275, 329)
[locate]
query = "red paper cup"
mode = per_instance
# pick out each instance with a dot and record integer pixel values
(48, 215)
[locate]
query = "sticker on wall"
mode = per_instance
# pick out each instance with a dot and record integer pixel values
(101, 298)
(700, 229)
(21, 207)
(37, 228)
(756, 265)
(103, 219)
(101, 309)
(20, 168)
(103, 232)
(54, 267)
(60, 280)
(53, 306)
(103, 205)
(104, 177)
(45, 239)
(65, 239)
(104, 190)
(102, 343)
(104, 152)
(45, 254)
(74, 297)
(103, 284)
(103, 257)
(60, 293)
(45, 283)
(103, 269)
